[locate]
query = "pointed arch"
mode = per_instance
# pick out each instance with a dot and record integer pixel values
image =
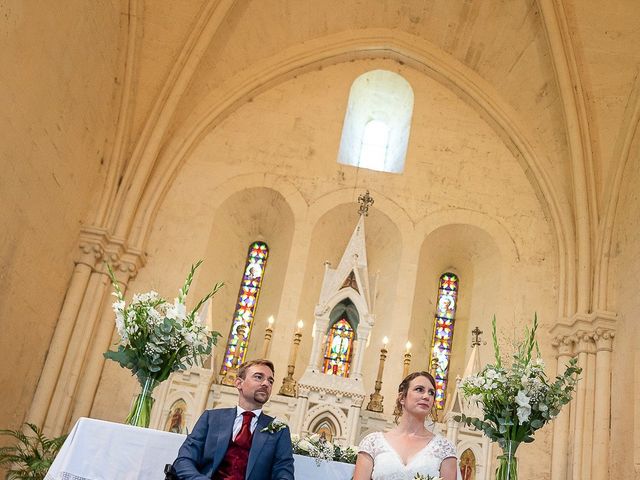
(371, 43)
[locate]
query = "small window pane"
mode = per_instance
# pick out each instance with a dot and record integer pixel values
(246, 304)
(443, 334)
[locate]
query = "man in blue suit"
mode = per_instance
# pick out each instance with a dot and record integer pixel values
(239, 443)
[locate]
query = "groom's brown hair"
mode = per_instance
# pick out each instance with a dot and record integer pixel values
(242, 370)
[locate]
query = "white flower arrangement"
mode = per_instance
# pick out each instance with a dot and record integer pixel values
(519, 400)
(317, 447)
(158, 337)
(275, 426)
(420, 476)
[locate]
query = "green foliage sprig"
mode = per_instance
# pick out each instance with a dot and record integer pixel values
(31, 456)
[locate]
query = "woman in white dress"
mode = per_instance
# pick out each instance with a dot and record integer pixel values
(408, 449)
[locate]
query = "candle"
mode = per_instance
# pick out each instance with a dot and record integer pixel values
(383, 356)
(407, 360)
(267, 336)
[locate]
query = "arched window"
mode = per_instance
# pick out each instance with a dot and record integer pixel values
(337, 353)
(468, 465)
(375, 134)
(443, 334)
(375, 141)
(246, 304)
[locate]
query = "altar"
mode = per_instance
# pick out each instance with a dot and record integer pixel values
(99, 450)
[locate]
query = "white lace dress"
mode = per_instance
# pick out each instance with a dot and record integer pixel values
(387, 464)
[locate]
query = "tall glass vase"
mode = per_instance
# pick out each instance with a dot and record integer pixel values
(507, 462)
(140, 414)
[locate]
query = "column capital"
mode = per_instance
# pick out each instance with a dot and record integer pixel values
(564, 345)
(584, 340)
(604, 339)
(97, 246)
(582, 329)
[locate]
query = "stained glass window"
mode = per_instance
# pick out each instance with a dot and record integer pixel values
(246, 305)
(443, 334)
(337, 353)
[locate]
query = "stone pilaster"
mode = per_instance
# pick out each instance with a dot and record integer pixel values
(602, 405)
(560, 452)
(581, 432)
(74, 363)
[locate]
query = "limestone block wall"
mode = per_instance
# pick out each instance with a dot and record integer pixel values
(58, 89)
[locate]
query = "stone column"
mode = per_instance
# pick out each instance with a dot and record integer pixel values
(453, 428)
(354, 420)
(589, 379)
(301, 410)
(100, 343)
(487, 447)
(79, 343)
(55, 356)
(580, 401)
(602, 405)
(561, 424)
(66, 365)
(317, 347)
(363, 334)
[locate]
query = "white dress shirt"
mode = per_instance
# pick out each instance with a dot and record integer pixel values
(237, 423)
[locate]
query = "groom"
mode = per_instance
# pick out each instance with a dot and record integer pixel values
(230, 444)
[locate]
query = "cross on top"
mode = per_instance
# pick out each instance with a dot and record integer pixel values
(365, 200)
(476, 337)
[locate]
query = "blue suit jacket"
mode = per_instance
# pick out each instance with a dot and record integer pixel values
(270, 457)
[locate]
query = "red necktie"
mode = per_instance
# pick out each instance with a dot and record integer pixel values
(244, 435)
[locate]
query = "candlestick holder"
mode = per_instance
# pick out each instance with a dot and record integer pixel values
(289, 385)
(375, 400)
(406, 364)
(268, 334)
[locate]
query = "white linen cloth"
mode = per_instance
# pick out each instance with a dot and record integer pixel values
(99, 450)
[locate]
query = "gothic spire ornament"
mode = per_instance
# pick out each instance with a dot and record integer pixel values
(365, 200)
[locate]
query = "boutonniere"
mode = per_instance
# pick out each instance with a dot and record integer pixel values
(275, 426)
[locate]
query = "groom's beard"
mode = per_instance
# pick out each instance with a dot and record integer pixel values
(261, 396)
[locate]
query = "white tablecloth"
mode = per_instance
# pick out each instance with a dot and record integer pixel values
(99, 450)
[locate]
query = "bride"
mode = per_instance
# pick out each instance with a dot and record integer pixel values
(408, 449)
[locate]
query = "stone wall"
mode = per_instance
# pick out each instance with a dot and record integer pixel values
(59, 80)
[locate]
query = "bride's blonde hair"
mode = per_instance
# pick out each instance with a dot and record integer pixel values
(403, 389)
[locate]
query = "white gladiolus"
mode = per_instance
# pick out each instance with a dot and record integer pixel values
(523, 413)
